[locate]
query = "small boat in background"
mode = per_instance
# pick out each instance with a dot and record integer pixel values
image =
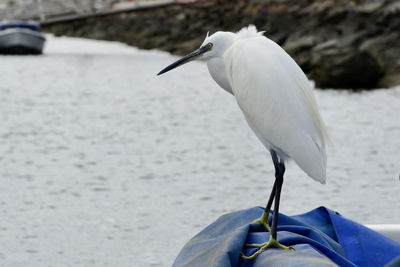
(20, 38)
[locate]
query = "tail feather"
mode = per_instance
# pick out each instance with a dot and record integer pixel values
(311, 158)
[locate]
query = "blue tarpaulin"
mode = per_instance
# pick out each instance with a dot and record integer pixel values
(320, 237)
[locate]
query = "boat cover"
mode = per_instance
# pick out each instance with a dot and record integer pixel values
(20, 24)
(320, 237)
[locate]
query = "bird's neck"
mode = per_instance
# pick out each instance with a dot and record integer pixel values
(216, 67)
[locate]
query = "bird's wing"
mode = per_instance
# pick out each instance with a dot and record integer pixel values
(276, 99)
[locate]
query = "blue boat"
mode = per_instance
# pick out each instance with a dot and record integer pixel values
(21, 38)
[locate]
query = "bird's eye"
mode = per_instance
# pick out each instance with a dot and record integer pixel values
(209, 46)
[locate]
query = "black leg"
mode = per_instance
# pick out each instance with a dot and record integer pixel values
(279, 181)
(271, 199)
(276, 193)
(275, 159)
(272, 195)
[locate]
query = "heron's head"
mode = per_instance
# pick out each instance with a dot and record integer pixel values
(213, 46)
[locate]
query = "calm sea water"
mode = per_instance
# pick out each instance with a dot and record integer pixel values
(105, 164)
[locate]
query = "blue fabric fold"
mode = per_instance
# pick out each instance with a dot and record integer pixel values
(321, 237)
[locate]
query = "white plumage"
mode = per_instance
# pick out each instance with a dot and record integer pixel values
(274, 95)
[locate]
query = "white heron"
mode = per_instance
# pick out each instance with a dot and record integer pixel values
(276, 99)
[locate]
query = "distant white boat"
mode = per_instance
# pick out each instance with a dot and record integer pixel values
(20, 37)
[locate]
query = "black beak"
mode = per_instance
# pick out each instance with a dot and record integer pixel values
(184, 60)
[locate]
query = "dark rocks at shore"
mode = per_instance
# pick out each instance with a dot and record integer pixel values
(338, 43)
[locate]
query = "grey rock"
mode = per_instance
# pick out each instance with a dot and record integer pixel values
(338, 43)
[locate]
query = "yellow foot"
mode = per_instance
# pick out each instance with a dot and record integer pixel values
(263, 220)
(272, 243)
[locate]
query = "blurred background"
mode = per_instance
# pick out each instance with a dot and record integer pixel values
(102, 163)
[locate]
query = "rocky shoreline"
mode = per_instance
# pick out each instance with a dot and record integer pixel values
(338, 43)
